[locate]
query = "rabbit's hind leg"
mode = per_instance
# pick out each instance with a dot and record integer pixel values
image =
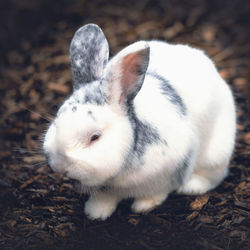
(211, 166)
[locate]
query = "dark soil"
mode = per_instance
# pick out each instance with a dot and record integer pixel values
(41, 210)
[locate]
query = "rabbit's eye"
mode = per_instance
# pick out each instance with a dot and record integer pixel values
(94, 137)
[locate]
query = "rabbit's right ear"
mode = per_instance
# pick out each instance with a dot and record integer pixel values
(89, 53)
(125, 73)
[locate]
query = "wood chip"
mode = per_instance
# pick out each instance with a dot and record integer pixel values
(34, 159)
(240, 82)
(173, 31)
(247, 138)
(63, 89)
(28, 182)
(192, 216)
(199, 202)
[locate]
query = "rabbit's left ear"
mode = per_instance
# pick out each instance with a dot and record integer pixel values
(125, 73)
(89, 53)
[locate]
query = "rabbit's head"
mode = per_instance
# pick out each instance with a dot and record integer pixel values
(92, 136)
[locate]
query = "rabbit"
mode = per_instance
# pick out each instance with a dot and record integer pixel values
(154, 119)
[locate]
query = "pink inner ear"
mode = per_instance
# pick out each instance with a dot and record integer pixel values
(131, 65)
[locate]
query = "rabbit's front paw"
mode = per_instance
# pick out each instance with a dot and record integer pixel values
(100, 206)
(196, 185)
(145, 205)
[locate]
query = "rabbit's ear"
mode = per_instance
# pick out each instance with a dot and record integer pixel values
(125, 73)
(89, 53)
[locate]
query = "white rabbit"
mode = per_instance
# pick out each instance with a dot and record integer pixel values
(155, 118)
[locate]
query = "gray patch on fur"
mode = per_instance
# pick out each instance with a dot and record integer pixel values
(90, 93)
(170, 93)
(179, 175)
(89, 54)
(144, 134)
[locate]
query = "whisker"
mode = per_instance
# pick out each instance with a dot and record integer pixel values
(24, 151)
(48, 118)
(29, 156)
(38, 164)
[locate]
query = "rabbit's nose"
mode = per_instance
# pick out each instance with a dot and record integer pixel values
(56, 163)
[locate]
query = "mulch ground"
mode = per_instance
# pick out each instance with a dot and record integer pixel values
(41, 210)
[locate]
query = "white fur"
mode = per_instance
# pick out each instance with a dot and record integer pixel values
(101, 205)
(68, 141)
(208, 130)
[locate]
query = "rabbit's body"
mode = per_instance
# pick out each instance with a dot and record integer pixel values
(187, 90)
(174, 129)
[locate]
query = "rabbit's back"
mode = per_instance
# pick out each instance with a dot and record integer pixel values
(183, 86)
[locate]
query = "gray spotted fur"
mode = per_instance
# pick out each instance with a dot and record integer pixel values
(170, 93)
(178, 178)
(89, 54)
(89, 93)
(144, 133)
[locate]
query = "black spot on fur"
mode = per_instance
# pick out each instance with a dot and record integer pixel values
(170, 93)
(90, 113)
(74, 108)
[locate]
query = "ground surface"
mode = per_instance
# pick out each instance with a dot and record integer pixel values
(39, 209)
